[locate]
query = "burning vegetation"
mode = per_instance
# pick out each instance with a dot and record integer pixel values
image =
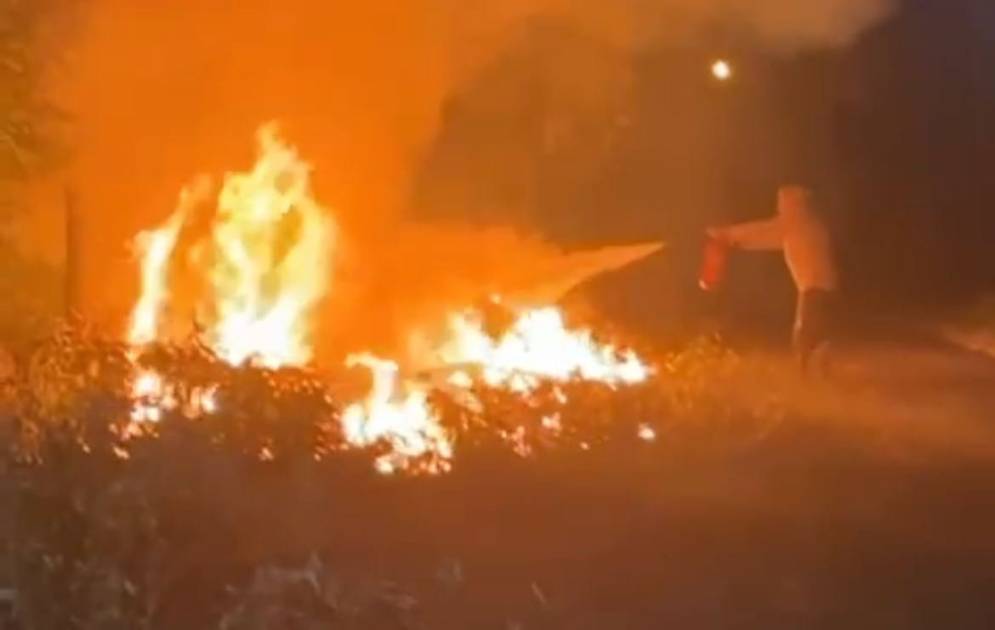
(145, 519)
(127, 448)
(242, 271)
(341, 397)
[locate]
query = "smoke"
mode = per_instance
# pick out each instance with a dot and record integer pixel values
(163, 91)
(782, 25)
(789, 25)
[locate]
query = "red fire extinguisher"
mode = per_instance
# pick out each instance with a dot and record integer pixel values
(713, 266)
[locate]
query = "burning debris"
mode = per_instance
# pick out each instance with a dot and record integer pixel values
(403, 419)
(81, 392)
(251, 268)
(130, 496)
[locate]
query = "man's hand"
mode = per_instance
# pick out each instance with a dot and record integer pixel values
(763, 235)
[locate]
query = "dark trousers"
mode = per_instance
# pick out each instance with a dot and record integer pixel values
(816, 318)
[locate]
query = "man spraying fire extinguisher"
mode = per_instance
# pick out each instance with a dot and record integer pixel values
(799, 231)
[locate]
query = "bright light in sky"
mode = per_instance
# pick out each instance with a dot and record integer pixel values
(721, 70)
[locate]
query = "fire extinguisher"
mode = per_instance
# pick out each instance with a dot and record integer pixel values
(713, 265)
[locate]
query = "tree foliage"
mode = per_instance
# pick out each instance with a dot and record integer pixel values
(31, 42)
(33, 38)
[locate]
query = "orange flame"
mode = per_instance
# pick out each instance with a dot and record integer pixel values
(405, 420)
(267, 262)
(266, 265)
(272, 246)
(537, 347)
(156, 248)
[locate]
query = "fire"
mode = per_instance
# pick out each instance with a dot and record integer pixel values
(272, 246)
(261, 267)
(147, 390)
(646, 433)
(538, 346)
(398, 414)
(266, 263)
(155, 247)
(153, 395)
(148, 384)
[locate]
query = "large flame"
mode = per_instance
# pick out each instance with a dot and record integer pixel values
(537, 347)
(265, 264)
(261, 263)
(272, 247)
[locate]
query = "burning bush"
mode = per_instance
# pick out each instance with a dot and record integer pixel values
(103, 502)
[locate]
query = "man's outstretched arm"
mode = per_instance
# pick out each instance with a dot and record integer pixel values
(755, 235)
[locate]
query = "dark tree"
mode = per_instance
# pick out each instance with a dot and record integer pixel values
(32, 37)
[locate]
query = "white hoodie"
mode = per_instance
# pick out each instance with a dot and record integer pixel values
(799, 231)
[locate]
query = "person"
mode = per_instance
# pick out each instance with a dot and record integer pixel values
(798, 231)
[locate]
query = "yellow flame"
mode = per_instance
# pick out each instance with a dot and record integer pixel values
(264, 266)
(272, 247)
(398, 414)
(148, 384)
(156, 248)
(152, 396)
(538, 347)
(552, 422)
(266, 263)
(646, 433)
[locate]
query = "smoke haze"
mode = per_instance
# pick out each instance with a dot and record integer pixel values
(163, 91)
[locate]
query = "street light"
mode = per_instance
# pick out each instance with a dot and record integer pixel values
(722, 70)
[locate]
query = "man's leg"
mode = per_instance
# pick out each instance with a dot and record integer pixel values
(829, 330)
(801, 335)
(814, 331)
(822, 358)
(803, 350)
